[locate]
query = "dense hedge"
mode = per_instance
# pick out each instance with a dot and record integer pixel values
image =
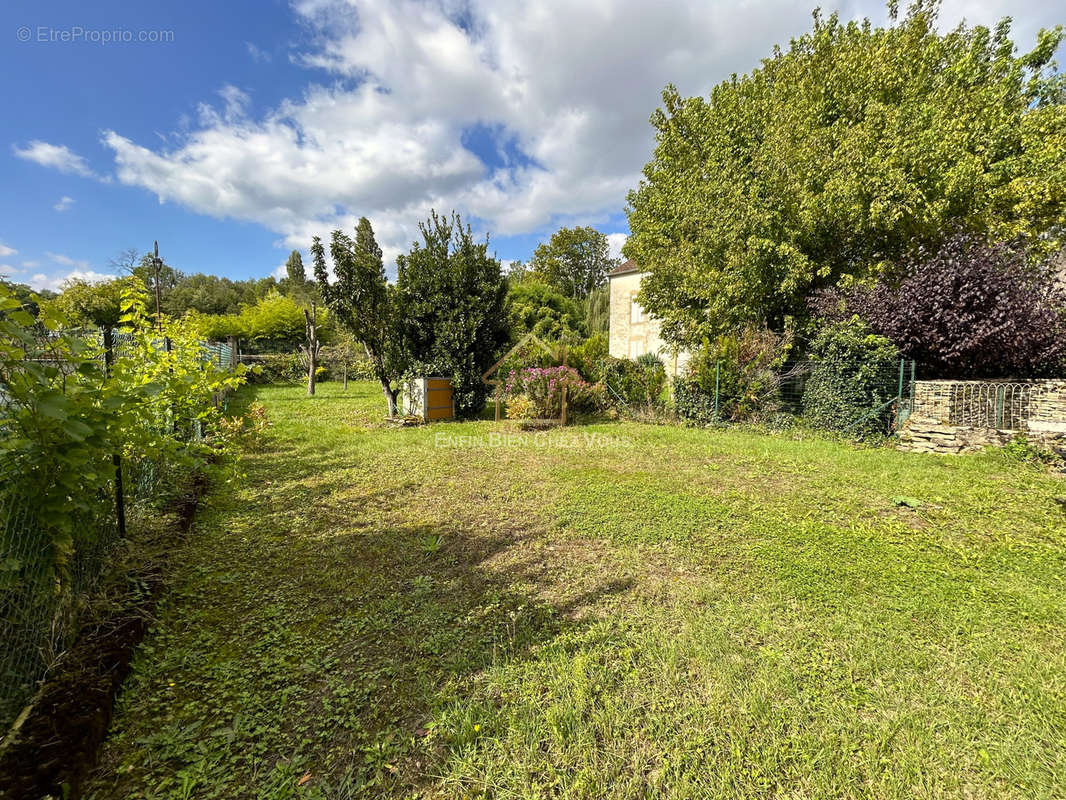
(692, 403)
(636, 385)
(277, 368)
(853, 371)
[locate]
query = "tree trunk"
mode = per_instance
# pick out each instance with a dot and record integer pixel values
(390, 397)
(311, 327)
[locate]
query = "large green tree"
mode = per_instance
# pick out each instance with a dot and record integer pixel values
(453, 297)
(363, 303)
(574, 260)
(535, 307)
(89, 305)
(838, 155)
(294, 269)
(28, 299)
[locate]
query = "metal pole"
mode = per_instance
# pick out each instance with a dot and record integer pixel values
(116, 459)
(157, 263)
(899, 392)
(717, 378)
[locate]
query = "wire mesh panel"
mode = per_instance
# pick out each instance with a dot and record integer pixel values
(863, 397)
(42, 587)
(1002, 405)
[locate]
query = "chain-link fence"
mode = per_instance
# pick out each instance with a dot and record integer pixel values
(39, 604)
(42, 591)
(854, 397)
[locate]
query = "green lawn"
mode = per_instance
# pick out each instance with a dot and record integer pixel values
(612, 611)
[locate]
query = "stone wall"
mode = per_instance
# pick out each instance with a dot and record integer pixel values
(959, 416)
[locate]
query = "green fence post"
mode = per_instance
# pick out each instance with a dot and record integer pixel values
(116, 459)
(717, 375)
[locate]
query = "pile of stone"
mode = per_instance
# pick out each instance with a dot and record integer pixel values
(928, 435)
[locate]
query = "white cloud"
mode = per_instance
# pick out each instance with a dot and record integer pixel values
(258, 55)
(67, 261)
(615, 242)
(58, 157)
(31, 264)
(563, 89)
(64, 203)
(6, 251)
(57, 281)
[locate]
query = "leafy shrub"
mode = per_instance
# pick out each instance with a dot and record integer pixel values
(542, 388)
(742, 369)
(520, 407)
(64, 415)
(966, 310)
(853, 372)
(589, 357)
(636, 385)
(247, 429)
(278, 368)
(691, 402)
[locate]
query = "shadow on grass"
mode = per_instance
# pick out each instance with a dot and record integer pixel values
(310, 636)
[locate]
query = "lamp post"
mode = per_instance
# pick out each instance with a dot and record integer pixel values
(157, 265)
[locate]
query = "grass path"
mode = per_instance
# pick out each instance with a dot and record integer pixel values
(614, 611)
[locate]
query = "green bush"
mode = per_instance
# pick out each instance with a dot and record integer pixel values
(853, 372)
(589, 357)
(277, 368)
(742, 369)
(635, 385)
(691, 402)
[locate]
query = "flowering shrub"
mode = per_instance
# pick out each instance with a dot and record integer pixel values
(540, 389)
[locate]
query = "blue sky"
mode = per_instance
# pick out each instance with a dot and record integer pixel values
(241, 129)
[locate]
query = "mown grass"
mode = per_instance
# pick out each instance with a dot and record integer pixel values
(616, 610)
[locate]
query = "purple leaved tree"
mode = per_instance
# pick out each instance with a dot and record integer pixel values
(966, 310)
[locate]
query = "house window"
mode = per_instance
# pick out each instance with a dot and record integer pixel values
(636, 348)
(636, 313)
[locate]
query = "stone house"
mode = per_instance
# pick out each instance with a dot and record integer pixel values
(632, 331)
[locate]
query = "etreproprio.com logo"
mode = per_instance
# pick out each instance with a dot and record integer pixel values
(78, 34)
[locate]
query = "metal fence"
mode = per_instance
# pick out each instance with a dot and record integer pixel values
(38, 605)
(1003, 405)
(851, 397)
(40, 602)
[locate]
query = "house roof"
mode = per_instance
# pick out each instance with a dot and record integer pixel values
(624, 268)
